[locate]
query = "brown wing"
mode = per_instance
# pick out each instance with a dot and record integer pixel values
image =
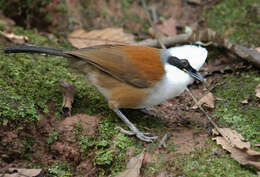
(138, 65)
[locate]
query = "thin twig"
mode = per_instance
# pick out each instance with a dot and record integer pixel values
(167, 41)
(209, 118)
(163, 141)
(152, 24)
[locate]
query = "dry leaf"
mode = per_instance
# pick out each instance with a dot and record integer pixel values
(167, 28)
(235, 138)
(133, 167)
(219, 99)
(257, 49)
(207, 101)
(215, 132)
(257, 91)
(245, 101)
(18, 172)
(17, 39)
(80, 38)
(68, 97)
(240, 150)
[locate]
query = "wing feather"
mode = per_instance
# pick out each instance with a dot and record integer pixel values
(136, 65)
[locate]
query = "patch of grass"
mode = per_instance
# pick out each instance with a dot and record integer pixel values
(210, 161)
(53, 136)
(84, 143)
(60, 170)
(29, 81)
(111, 147)
(237, 20)
(231, 112)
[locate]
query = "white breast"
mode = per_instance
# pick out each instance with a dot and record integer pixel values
(172, 84)
(175, 80)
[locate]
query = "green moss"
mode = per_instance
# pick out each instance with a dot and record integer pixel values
(60, 170)
(53, 136)
(108, 148)
(29, 81)
(231, 112)
(209, 161)
(111, 147)
(236, 19)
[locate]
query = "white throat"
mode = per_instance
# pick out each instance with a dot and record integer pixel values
(175, 80)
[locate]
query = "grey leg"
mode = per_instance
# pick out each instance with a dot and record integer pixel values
(134, 130)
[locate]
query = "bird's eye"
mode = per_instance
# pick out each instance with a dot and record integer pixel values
(184, 62)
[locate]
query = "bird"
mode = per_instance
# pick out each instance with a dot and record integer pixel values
(131, 76)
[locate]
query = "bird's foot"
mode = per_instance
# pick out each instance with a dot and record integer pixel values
(139, 135)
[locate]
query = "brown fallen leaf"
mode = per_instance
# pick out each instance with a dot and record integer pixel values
(207, 101)
(81, 38)
(167, 28)
(68, 97)
(245, 101)
(257, 91)
(239, 149)
(17, 39)
(18, 172)
(133, 166)
(257, 49)
(219, 99)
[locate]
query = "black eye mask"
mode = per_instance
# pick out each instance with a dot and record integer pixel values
(184, 65)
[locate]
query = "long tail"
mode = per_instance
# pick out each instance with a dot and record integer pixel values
(35, 49)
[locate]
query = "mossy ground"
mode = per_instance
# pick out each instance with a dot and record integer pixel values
(232, 112)
(29, 82)
(210, 160)
(238, 20)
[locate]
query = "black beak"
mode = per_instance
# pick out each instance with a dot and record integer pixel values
(196, 75)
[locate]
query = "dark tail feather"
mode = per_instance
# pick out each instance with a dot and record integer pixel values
(35, 49)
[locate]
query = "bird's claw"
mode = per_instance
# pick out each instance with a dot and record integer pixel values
(145, 138)
(139, 135)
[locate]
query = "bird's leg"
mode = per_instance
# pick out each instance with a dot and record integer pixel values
(152, 113)
(134, 130)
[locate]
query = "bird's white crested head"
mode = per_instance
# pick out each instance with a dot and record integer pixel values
(196, 55)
